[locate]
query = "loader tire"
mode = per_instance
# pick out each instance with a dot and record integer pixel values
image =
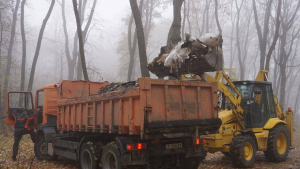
(243, 151)
(90, 155)
(40, 150)
(278, 144)
(111, 156)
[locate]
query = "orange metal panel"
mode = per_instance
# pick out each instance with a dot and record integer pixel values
(74, 89)
(123, 112)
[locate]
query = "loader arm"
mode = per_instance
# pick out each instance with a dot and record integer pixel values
(238, 111)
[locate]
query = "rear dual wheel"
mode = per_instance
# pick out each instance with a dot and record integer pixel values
(243, 151)
(111, 157)
(90, 155)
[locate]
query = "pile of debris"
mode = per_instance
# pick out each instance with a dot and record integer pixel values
(194, 56)
(119, 86)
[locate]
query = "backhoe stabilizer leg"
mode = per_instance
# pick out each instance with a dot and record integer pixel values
(289, 126)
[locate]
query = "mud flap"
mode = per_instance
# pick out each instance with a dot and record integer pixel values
(49, 132)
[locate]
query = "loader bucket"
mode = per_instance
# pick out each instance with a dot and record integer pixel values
(190, 57)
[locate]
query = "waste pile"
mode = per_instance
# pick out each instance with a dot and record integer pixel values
(119, 86)
(193, 56)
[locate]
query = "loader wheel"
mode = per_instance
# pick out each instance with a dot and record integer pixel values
(40, 150)
(278, 144)
(111, 156)
(243, 151)
(90, 155)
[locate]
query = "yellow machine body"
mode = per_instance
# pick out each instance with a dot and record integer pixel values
(232, 120)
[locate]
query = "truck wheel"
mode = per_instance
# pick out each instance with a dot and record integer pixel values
(111, 156)
(278, 144)
(242, 151)
(40, 150)
(90, 155)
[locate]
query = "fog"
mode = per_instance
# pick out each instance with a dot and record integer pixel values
(106, 46)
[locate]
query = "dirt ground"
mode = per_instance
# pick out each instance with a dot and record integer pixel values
(26, 158)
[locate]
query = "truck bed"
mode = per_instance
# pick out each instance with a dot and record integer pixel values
(155, 107)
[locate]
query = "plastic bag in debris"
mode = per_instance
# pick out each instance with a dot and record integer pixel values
(177, 55)
(210, 39)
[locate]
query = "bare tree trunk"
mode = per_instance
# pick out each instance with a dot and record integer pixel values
(140, 37)
(81, 46)
(262, 36)
(241, 65)
(38, 46)
(217, 17)
(10, 48)
(183, 22)
(149, 25)
(23, 47)
(67, 51)
(2, 112)
(132, 48)
(207, 15)
(84, 34)
(9, 59)
(275, 38)
(188, 17)
(174, 33)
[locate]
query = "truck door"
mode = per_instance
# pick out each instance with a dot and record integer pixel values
(15, 100)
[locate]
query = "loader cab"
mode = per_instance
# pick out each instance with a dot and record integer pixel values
(257, 101)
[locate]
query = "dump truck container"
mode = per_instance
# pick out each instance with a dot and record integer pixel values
(155, 106)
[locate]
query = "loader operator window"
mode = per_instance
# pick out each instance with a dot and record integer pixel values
(270, 99)
(259, 107)
(245, 91)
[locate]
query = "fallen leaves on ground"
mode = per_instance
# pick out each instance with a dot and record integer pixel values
(26, 158)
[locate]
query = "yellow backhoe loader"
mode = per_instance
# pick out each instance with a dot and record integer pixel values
(252, 121)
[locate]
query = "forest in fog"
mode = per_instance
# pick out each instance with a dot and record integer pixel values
(40, 42)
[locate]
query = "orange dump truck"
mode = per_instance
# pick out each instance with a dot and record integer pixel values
(156, 123)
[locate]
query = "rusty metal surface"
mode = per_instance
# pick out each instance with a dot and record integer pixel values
(125, 112)
(74, 89)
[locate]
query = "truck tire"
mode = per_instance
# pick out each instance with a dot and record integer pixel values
(278, 144)
(111, 156)
(90, 155)
(40, 150)
(243, 151)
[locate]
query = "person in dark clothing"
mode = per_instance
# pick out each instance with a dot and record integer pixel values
(22, 119)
